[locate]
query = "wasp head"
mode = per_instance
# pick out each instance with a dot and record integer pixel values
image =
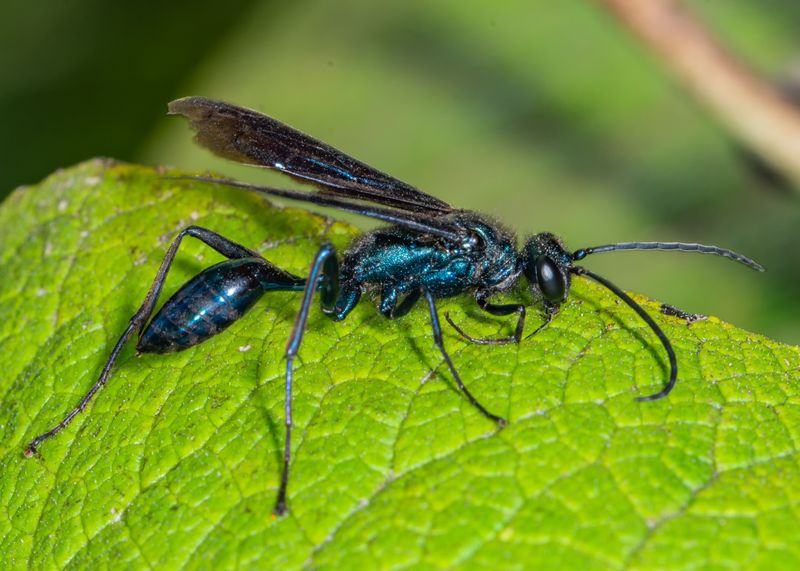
(547, 266)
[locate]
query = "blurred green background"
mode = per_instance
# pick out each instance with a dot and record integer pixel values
(548, 115)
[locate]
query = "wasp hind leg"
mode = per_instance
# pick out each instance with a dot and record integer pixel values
(224, 246)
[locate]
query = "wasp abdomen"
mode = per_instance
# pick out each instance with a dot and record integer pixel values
(211, 301)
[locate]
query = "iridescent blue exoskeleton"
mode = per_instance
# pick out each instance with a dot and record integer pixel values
(431, 251)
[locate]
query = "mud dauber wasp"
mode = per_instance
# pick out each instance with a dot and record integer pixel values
(430, 251)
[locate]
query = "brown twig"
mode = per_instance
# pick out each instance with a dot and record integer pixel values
(750, 107)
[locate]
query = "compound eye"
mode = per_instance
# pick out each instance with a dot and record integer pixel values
(550, 280)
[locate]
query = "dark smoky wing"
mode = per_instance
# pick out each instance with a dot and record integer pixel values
(246, 136)
(421, 222)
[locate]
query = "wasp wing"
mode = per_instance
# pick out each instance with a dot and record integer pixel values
(418, 221)
(246, 136)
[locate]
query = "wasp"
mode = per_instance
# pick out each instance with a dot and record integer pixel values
(429, 250)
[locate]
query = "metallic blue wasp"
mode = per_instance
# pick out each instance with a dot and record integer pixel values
(430, 251)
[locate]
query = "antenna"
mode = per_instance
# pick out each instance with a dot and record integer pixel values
(681, 246)
(673, 362)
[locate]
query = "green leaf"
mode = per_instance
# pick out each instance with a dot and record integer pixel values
(176, 461)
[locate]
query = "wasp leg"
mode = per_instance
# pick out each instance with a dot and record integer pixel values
(219, 243)
(324, 275)
(498, 310)
(405, 306)
(391, 309)
(437, 338)
(550, 311)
